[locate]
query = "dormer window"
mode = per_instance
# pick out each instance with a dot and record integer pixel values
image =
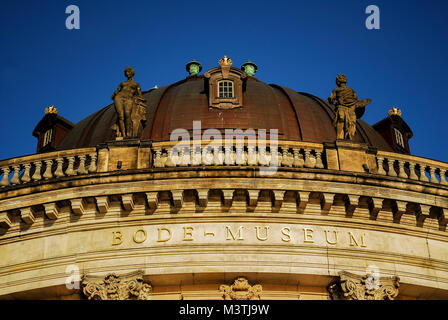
(399, 138)
(225, 85)
(47, 137)
(225, 89)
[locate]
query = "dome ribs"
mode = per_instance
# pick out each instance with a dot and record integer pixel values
(153, 98)
(315, 123)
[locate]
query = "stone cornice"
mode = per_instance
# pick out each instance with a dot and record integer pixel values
(408, 208)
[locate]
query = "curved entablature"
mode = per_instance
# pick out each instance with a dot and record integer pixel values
(24, 176)
(303, 220)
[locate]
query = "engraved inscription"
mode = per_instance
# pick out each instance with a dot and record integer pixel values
(219, 233)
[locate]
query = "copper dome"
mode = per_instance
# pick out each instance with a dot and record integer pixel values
(297, 116)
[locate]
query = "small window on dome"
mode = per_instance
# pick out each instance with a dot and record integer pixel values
(225, 89)
(399, 138)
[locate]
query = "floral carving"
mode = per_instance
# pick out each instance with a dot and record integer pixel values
(241, 290)
(350, 286)
(130, 286)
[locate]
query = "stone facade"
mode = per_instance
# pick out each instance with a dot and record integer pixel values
(313, 230)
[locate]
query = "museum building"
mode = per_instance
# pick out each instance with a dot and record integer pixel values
(220, 186)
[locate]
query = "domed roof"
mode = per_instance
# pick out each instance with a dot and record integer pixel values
(297, 116)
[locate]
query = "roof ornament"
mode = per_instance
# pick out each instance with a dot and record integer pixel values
(225, 62)
(394, 112)
(51, 110)
(193, 67)
(250, 68)
(348, 108)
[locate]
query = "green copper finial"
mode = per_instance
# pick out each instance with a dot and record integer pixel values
(193, 67)
(250, 68)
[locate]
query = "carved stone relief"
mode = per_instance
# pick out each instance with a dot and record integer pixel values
(129, 286)
(350, 286)
(241, 290)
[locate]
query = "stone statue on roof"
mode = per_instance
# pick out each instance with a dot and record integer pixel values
(130, 107)
(348, 108)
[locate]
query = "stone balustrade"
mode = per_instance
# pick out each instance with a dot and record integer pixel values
(289, 154)
(411, 167)
(46, 166)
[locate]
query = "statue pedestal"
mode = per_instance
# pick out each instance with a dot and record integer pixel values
(124, 154)
(352, 156)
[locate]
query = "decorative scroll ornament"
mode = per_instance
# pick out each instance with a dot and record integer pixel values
(114, 287)
(241, 290)
(355, 287)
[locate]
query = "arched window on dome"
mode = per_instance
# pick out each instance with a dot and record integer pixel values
(226, 89)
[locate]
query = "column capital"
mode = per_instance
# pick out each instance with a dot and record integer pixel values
(351, 286)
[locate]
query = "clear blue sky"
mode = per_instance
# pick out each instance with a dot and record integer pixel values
(299, 44)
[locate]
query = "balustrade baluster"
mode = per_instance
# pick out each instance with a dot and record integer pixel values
(58, 172)
(391, 172)
(70, 171)
(92, 166)
(251, 156)
(37, 167)
(82, 165)
(239, 155)
(197, 156)
(172, 157)
(412, 174)
(432, 175)
(308, 161)
(443, 179)
(47, 173)
(217, 156)
(181, 159)
(423, 176)
(381, 170)
(262, 157)
(157, 162)
(26, 173)
(401, 171)
(319, 163)
(15, 177)
(186, 159)
(5, 180)
(298, 158)
(284, 153)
